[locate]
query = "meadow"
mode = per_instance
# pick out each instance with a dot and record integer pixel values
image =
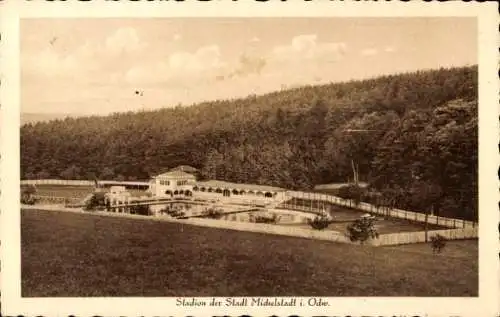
(70, 254)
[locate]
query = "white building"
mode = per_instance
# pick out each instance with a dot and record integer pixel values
(177, 183)
(174, 183)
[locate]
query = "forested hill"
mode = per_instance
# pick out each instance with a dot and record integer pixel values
(414, 134)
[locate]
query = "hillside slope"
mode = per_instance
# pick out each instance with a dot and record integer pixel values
(413, 135)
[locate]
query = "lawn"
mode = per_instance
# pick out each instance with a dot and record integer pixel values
(75, 191)
(63, 190)
(69, 254)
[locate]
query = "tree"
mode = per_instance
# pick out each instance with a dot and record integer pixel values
(27, 193)
(72, 172)
(438, 242)
(107, 173)
(418, 127)
(362, 229)
(96, 201)
(353, 192)
(319, 222)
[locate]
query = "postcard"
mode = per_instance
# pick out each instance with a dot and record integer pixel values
(202, 158)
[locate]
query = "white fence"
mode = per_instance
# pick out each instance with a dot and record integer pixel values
(396, 213)
(77, 182)
(57, 182)
(419, 237)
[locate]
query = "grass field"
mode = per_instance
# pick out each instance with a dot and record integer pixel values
(63, 191)
(74, 191)
(67, 254)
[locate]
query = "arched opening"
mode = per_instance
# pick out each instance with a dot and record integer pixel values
(181, 192)
(210, 189)
(168, 192)
(260, 194)
(242, 192)
(176, 192)
(268, 195)
(188, 193)
(218, 191)
(195, 188)
(226, 193)
(251, 193)
(203, 189)
(236, 192)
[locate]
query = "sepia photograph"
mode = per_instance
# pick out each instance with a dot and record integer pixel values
(241, 157)
(254, 161)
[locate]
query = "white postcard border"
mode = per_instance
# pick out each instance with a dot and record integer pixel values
(11, 11)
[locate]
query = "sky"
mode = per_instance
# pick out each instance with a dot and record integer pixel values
(103, 65)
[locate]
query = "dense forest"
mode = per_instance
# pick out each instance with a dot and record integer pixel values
(412, 136)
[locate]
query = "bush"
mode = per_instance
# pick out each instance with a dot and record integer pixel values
(353, 192)
(438, 242)
(28, 200)
(96, 201)
(141, 210)
(319, 222)
(265, 219)
(27, 195)
(212, 213)
(362, 229)
(173, 212)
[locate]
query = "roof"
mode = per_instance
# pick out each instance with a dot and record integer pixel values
(253, 187)
(184, 168)
(339, 185)
(176, 174)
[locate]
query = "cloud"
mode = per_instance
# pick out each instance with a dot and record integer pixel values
(123, 40)
(307, 47)
(389, 49)
(205, 58)
(246, 65)
(254, 40)
(369, 52)
(50, 62)
(83, 61)
(180, 70)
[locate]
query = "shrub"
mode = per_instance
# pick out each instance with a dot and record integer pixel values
(96, 201)
(141, 210)
(27, 195)
(353, 192)
(28, 199)
(319, 222)
(212, 213)
(362, 229)
(438, 242)
(266, 219)
(173, 212)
